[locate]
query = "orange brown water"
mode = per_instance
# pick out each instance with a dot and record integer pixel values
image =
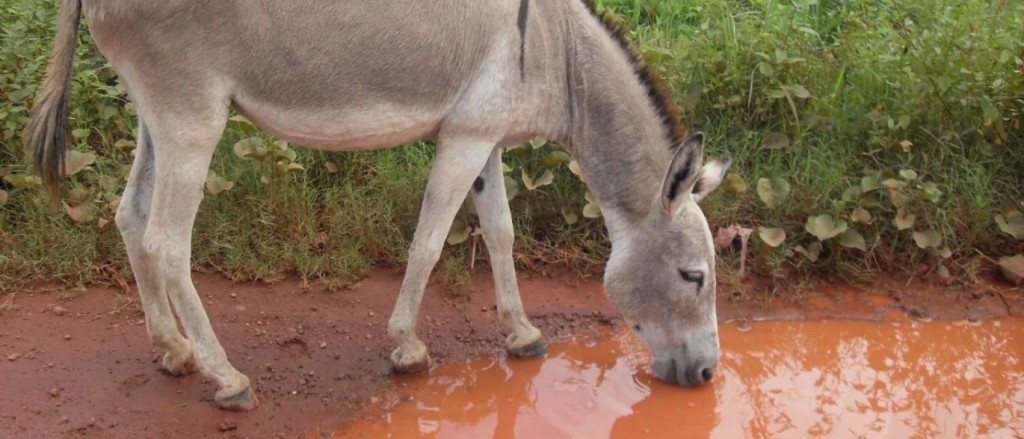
(831, 378)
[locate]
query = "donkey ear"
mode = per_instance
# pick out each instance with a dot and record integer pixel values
(711, 175)
(682, 173)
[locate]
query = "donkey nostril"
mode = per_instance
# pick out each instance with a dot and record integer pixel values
(707, 374)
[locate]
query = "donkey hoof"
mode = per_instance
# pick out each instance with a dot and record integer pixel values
(525, 346)
(408, 363)
(176, 365)
(532, 350)
(242, 401)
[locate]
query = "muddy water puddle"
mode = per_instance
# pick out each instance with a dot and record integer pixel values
(832, 378)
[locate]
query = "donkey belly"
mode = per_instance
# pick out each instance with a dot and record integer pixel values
(344, 128)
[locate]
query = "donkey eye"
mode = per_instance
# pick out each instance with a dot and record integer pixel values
(637, 328)
(696, 277)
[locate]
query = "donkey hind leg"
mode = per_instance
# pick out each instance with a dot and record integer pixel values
(496, 219)
(183, 144)
(455, 165)
(131, 218)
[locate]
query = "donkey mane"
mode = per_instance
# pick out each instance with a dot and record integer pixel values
(652, 81)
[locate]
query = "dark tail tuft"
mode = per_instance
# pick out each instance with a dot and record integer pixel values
(46, 135)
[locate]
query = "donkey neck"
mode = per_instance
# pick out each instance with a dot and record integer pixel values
(615, 131)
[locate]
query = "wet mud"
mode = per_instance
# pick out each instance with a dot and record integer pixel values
(899, 378)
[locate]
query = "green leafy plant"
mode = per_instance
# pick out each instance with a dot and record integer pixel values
(540, 166)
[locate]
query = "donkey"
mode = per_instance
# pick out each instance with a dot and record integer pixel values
(473, 76)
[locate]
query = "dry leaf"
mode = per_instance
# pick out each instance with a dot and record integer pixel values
(1012, 268)
(775, 141)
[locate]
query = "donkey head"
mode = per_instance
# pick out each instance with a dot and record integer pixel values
(661, 274)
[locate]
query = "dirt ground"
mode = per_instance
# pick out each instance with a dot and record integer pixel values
(78, 363)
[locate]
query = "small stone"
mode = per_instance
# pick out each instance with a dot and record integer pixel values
(323, 345)
(743, 325)
(13, 357)
(67, 336)
(369, 336)
(919, 314)
(233, 296)
(228, 425)
(59, 310)
(54, 392)
(371, 314)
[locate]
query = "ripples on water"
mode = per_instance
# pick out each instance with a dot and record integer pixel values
(831, 378)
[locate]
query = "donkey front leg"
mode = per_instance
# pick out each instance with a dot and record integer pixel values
(496, 219)
(183, 144)
(457, 162)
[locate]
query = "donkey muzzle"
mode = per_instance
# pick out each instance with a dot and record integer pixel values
(686, 374)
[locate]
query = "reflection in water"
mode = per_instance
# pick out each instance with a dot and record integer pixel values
(781, 379)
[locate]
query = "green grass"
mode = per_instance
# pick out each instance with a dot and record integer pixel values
(848, 83)
(946, 76)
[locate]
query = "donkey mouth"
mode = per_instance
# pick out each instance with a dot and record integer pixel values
(692, 375)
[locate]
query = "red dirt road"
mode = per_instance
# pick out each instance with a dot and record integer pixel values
(79, 363)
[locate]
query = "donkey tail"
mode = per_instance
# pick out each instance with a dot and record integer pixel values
(46, 134)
